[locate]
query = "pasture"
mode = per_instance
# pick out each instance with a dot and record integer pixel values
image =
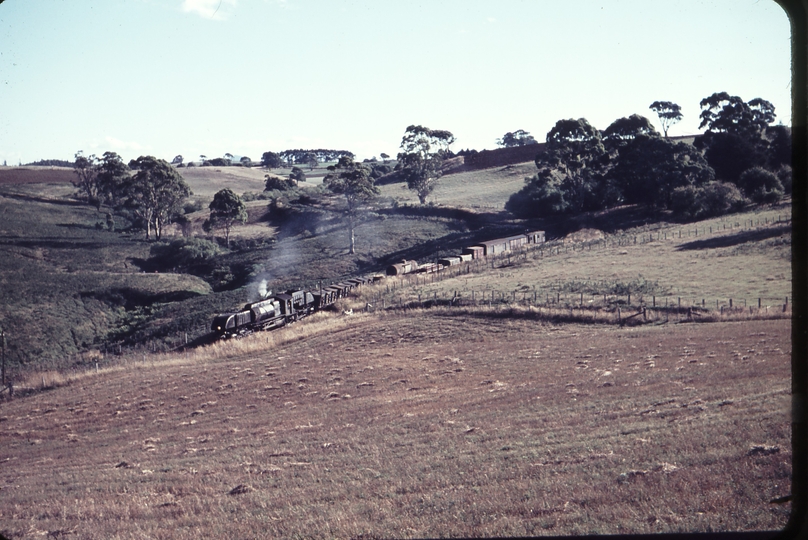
(422, 424)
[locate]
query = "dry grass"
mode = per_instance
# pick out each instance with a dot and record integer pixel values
(399, 426)
(487, 189)
(710, 269)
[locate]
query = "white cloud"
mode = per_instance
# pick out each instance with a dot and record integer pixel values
(209, 9)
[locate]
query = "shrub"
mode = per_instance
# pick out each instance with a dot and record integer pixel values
(187, 254)
(276, 183)
(760, 185)
(711, 199)
(784, 175)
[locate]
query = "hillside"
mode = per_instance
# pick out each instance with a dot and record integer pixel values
(496, 413)
(424, 424)
(71, 286)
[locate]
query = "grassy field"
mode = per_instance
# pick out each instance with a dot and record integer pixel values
(449, 421)
(417, 425)
(668, 262)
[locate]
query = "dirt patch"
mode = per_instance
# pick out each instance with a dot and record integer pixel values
(584, 235)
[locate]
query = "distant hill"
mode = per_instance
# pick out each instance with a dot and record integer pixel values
(35, 175)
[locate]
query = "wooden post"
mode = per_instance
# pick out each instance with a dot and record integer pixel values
(730, 302)
(758, 303)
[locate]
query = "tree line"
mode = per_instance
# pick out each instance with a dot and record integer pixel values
(740, 158)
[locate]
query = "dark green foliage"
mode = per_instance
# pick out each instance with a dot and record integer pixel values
(184, 254)
(730, 154)
(722, 113)
(542, 196)
(378, 170)
(353, 181)
(761, 186)
(626, 129)
(276, 183)
(154, 194)
(226, 210)
(648, 169)
(571, 174)
(216, 162)
(779, 151)
(248, 196)
(669, 113)
(297, 175)
(271, 160)
(711, 199)
(421, 160)
(784, 175)
(519, 137)
(49, 163)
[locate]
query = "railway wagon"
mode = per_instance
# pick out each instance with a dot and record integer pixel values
(450, 261)
(428, 268)
(515, 242)
(495, 247)
(535, 237)
(476, 252)
(404, 267)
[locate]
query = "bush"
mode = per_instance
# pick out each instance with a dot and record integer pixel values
(761, 186)
(248, 196)
(784, 175)
(711, 199)
(276, 183)
(188, 254)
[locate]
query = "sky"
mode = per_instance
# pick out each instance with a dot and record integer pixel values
(209, 77)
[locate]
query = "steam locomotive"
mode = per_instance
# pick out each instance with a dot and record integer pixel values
(282, 309)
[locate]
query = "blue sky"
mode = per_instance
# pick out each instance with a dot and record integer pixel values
(191, 77)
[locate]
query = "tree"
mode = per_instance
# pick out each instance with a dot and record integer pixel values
(649, 168)
(226, 210)
(229, 157)
(730, 154)
(571, 176)
(112, 176)
(625, 129)
(245, 161)
(519, 137)
(86, 171)
(668, 112)
(761, 186)
(276, 183)
(297, 175)
(576, 153)
(422, 158)
(154, 194)
(353, 181)
(722, 113)
(384, 157)
(271, 160)
(177, 160)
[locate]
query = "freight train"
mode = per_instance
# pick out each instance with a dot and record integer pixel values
(282, 309)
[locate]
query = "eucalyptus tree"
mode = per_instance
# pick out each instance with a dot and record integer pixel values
(520, 137)
(353, 181)
(570, 176)
(669, 113)
(226, 210)
(154, 194)
(422, 156)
